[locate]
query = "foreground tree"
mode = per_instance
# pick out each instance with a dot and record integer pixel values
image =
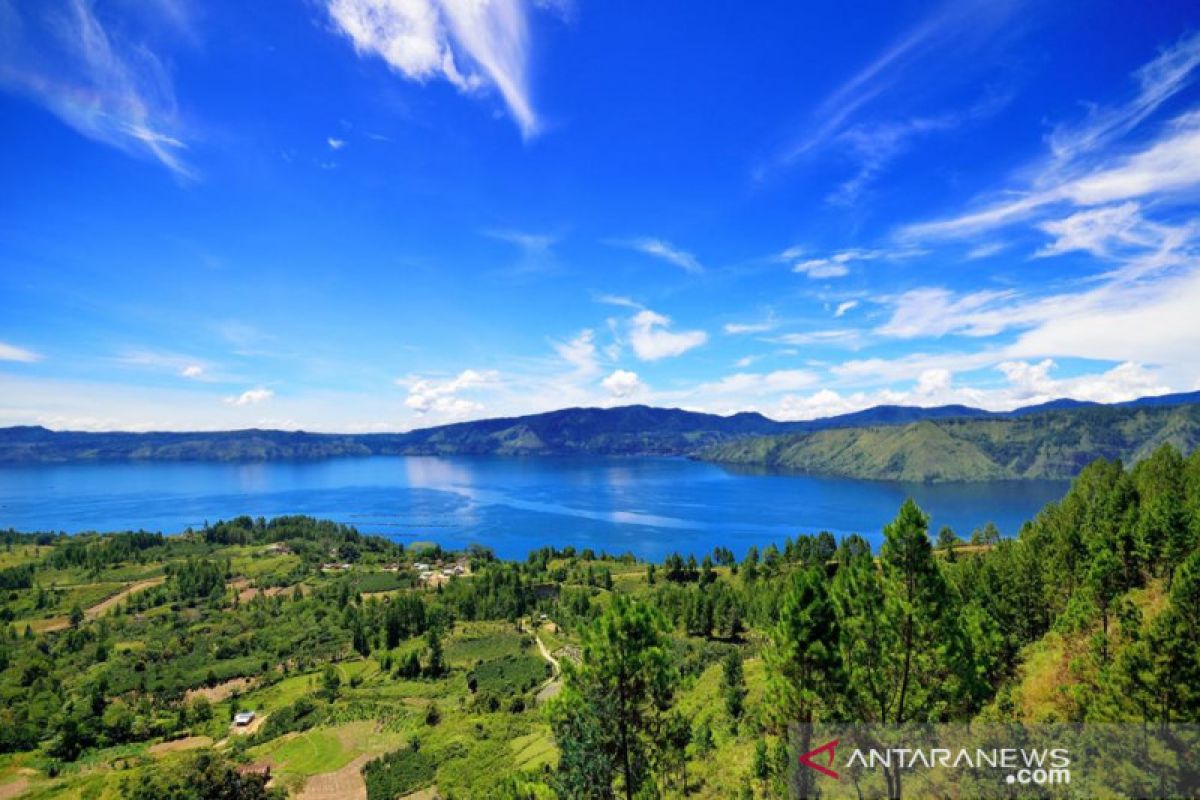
(903, 649)
(803, 668)
(609, 717)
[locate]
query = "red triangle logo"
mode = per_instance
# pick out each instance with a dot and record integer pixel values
(828, 747)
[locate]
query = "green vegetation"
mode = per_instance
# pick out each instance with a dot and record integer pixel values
(399, 773)
(903, 442)
(1050, 444)
(126, 658)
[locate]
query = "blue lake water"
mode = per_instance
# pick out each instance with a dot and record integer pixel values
(650, 506)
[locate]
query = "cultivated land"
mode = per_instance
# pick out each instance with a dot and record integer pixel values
(126, 657)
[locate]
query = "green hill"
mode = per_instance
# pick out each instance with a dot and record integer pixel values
(1051, 444)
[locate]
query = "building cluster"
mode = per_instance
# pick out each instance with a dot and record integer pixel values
(438, 572)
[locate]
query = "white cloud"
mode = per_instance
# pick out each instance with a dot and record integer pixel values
(336, 144)
(250, 397)
(470, 43)
(1142, 323)
(667, 252)
(828, 403)
(886, 371)
(1031, 383)
(440, 397)
(844, 307)
(580, 353)
(651, 340)
(106, 86)
(622, 383)
(933, 381)
(10, 352)
(759, 383)
(1094, 230)
(180, 364)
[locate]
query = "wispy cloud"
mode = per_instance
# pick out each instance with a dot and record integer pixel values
(665, 251)
(874, 145)
(1084, 168)
(738, 328)
(469, 43)
(536, 249)
(250, 397)
(10, 352)
(845, 307)
(937, 312)
(580, 352)
(184, 366)
(107, 87)
(836, 265)
(985, 250)
(618, 300)
(529, 242)
(1158, 81)
(335, 143)
(954, 28)
(1168, 165)
(838, 337)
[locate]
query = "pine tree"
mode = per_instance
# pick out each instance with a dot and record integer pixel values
(436, 665)
(733, 686)
(616, 698)
(804, 672)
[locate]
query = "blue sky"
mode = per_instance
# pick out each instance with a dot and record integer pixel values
(383, 214)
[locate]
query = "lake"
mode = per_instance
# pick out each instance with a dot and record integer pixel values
(650, 506)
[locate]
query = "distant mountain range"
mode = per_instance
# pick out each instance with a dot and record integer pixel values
(1051, 444)
(746, 438)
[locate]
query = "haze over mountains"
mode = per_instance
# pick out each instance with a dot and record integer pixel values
(1051, 440)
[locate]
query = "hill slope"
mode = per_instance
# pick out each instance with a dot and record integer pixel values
(899, 442)
(1049, 444)
(629, 430)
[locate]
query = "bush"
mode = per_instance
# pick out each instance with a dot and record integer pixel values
(299, 716)
(398, 773)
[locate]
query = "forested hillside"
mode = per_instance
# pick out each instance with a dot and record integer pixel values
(1049, 444)
(628, 430)
(374, 670)
(878, 442)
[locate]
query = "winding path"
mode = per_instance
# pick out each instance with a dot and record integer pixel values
(553, 684)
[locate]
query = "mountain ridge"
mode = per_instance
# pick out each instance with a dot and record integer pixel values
(622, 430)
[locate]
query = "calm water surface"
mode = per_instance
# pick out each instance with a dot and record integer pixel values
(650, 506)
